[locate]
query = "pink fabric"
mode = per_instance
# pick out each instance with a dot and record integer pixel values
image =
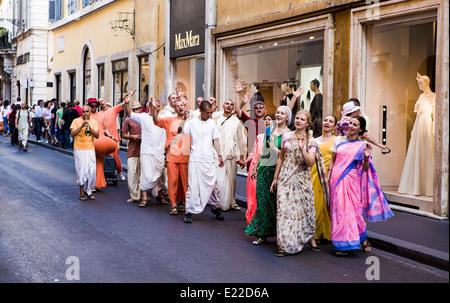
(355, 195)
(251, 183)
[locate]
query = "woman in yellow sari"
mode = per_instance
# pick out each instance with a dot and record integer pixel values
(323, 224)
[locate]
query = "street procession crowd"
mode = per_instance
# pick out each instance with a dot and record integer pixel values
(310, 176)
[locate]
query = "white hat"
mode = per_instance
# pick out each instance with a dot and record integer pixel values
(349, 107)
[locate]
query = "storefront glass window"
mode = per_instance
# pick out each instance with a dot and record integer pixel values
(87, 75)
(144, 82)
(190, 78)
(101, 81)
(396, 52)
(295, 61)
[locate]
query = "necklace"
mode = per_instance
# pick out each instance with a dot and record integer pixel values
(301, 136)
(351, 139)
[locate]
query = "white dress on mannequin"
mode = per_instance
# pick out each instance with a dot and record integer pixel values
(417, 175)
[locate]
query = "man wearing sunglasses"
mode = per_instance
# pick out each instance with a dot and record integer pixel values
(255, 126)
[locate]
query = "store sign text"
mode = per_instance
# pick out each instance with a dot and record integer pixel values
(188, 41)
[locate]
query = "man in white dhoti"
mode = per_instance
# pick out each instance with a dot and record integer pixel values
(232, 147)
(153, 139)
(83, 130)
(23, 124)
(202, 170)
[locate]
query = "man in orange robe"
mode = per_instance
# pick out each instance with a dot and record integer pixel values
(177, 157)
(110, 114)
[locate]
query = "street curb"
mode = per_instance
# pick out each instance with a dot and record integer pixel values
(410, 250)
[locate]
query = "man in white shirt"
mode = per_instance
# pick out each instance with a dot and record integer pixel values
(169, 109)
(232, 147)
(153, 139)
(202, 180)
(39, 112)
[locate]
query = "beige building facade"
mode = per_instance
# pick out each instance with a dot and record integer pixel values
(370, 50)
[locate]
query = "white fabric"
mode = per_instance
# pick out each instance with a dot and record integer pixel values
(167, 112)
(153, 138)
(152, 167)
(133, 172)
(202, 134)
(85, 168)
(201, 187)
(417, 175)
(23, 126)
(226, 184)
(230, 135)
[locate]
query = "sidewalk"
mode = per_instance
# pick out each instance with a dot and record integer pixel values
(416, 237)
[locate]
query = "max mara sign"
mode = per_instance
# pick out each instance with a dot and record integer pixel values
(187, 20)
(189, 40)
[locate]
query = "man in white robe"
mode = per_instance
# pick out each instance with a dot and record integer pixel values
(153, 139)
(202, 171)
(231, 145)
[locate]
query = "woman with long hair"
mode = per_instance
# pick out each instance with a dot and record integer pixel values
(295, 194)
(263, 223)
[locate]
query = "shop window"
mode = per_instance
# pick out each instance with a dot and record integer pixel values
(144, 81)
(190, 78)
(101, 80)
(87, 75)
(396, 52)
(73, 86)
(295, 61)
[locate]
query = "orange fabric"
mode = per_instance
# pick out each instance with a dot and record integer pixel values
(179, 152)
(177, 181)
(111, 120)
(81, 141)
(99, 161)
(111, 126)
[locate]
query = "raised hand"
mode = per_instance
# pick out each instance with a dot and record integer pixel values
(245, 99)
(238, 86)
(300, 91)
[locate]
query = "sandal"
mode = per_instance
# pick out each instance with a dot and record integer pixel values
(82, 198)
(386, 152)
(314, 248)
(366, 247)
(91, 197)
(173, 211)
(181, 207)
(143, 203)
(281, 253)
(340, 253)
(259, 241)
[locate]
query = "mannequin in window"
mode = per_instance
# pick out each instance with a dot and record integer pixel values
(316, 108)
(287, 89)
(417, 175)
(256, 96)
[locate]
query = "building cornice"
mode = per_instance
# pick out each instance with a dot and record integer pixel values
(80, 14)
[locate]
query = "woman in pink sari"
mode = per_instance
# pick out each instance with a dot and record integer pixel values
(355, 191)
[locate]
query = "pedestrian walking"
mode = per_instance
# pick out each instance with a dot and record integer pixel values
(295, 195)
(153, 139)
(12, 124)
(131, 131)
(202, 181)
(83, 131)
(39, 118)
(355, 191)
(23, 126)
(232, 148)
(5, 109)
(177, 150)
(68, 116)
(111, 114)
(325, 141)
(263, 223)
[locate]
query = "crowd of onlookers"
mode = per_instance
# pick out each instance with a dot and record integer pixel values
(49, 120)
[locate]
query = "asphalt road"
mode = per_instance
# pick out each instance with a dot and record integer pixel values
(48, 236)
